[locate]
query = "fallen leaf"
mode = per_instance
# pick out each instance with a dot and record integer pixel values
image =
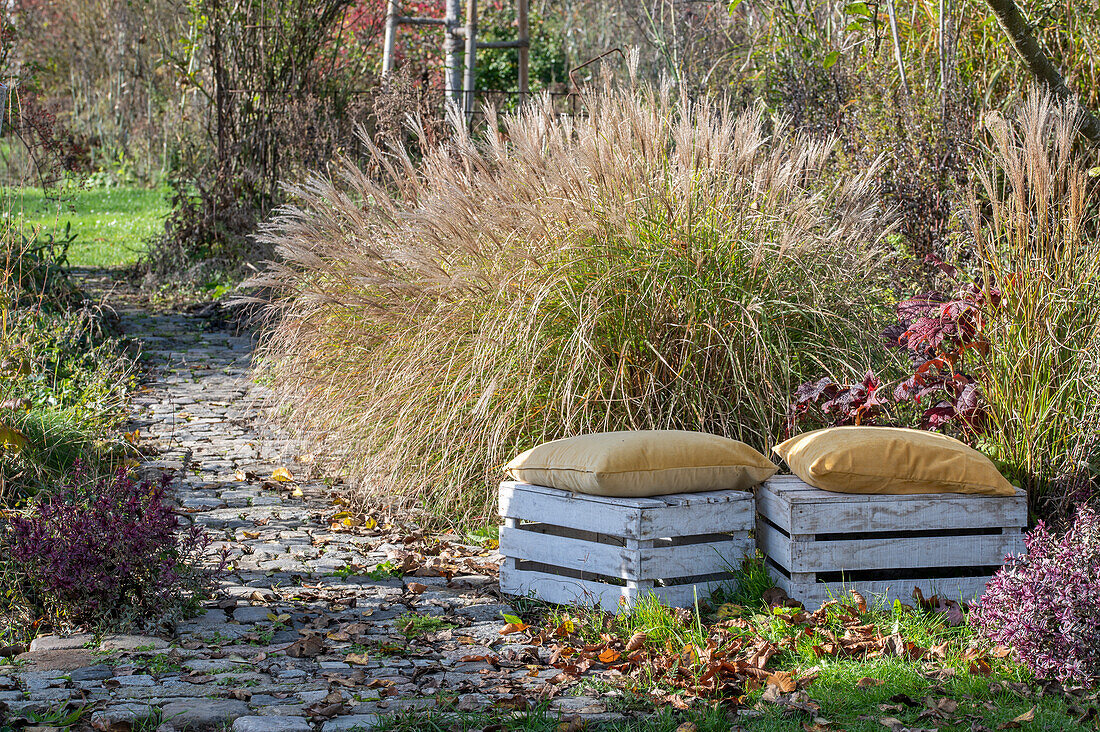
(609, 655)
(12, 438)
(513, 628)
(783, 681)
(636, 642)
(359, 659)
(729, 610)
(416, 588)
(861, 602)
(282, 475)
(867, 682)
(307, 647)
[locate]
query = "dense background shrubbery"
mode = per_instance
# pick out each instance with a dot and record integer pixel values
(1005, 356)
(658, 263)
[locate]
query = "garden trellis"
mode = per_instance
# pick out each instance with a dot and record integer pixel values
(460, 78)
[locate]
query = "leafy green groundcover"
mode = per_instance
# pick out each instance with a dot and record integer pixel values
(63, 386)
(753, 661)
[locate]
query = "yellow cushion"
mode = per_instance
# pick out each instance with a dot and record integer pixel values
(891, 460)
(643, 463)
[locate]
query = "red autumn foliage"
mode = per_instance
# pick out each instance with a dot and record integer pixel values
(943, 336)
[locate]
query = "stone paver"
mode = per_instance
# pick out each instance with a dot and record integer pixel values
(272, 652)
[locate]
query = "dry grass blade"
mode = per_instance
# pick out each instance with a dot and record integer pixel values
(657, 263)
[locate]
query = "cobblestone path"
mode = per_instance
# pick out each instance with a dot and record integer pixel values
(306, 636)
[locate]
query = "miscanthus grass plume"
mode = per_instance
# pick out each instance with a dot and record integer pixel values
(654, 263)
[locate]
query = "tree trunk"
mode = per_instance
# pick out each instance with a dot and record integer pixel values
(1041, 67)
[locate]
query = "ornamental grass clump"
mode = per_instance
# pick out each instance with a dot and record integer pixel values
(1045, 604)
(654, 263)
(105, 554)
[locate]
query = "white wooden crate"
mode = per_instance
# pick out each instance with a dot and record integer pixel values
(816, 542)
(571, 548)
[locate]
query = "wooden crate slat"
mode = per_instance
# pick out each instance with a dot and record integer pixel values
(982, 550)
(694, 559)
(625, 548)
(734, 512)
(824, 533)
(965, 589)
(568, 591)
(534, 503)
(686, 595)
(824, 517)
(773, 544)
(563, 590)
(562, 551)
(775, 507)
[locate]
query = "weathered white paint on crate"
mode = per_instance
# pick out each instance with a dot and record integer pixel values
(643, 542)
(798, 517)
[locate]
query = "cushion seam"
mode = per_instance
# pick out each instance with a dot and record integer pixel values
(641, 470)
(897, 477)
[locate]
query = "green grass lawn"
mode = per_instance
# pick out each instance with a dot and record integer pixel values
(111, 225)
(956, 681)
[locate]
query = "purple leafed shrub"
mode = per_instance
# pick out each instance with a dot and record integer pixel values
(108, 552)
(1045, 604)
(941, 334)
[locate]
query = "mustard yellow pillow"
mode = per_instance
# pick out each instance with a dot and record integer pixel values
(890, 460)
(643, 463)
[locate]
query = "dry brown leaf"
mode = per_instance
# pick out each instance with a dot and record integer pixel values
(636, 642)
(867, 682)
(416, 588)
(861, 602)
(783, 681)
(608, 655)
(307, 647)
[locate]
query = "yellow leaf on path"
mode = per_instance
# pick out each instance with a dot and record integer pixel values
(296, 492)
(369, 523)
(282, 475)
(251, 534)
(12, 438)
(132, 437)
(359, 659)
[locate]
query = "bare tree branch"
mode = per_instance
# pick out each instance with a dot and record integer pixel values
(1033, 54)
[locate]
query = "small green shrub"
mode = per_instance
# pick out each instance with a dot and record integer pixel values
(655, 264)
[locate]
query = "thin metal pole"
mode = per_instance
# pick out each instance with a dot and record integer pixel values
(470, 77)
(524, 48)
(391, 36)
(452, 47)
